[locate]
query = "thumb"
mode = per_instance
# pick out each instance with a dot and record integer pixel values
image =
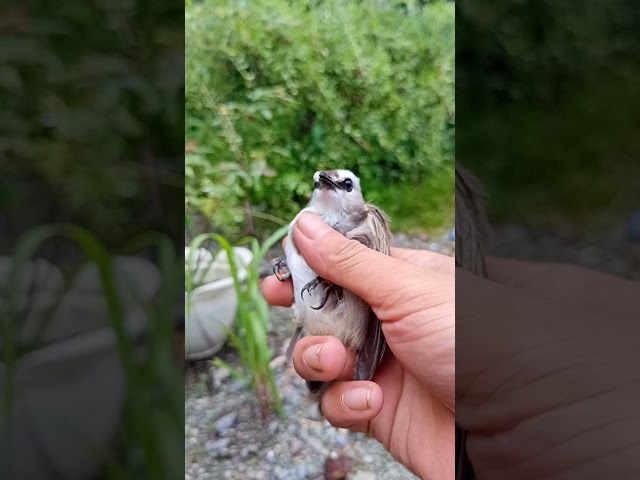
(346, 262)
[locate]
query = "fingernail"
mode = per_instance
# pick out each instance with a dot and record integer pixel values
(357, 398)
(312, 226)
(311, 357)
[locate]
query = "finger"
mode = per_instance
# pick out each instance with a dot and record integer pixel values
(323, 358)
(573, 285)
(284, 242)
(352, 405)
(425, 259)
(352, 265)
(277, 292)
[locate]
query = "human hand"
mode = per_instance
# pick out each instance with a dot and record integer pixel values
(410, 404)
(544, 363)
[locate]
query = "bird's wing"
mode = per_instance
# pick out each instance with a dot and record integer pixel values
(472, 228)
(374, 233)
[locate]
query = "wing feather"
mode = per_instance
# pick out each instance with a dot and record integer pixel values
(373, 232)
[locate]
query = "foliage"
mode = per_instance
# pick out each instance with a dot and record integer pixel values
(276, 90)
(411, 206)
(92, 114)
(249, 337)
(547, 105)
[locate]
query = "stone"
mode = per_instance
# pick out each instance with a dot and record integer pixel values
(218, 376)
(226, 422)
(364, 475)
(341, 440)
(273, 427)
(237, 385)
(296, 446)
(217, 446)
(301, 471)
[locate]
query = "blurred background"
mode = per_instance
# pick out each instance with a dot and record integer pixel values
(276, 90)
(547, 107)
(91, 139)
(548, 111)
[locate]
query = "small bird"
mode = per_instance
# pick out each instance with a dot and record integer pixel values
(321, 307)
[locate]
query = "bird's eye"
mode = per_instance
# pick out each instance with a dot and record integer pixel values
(316, 185)
(348, 184)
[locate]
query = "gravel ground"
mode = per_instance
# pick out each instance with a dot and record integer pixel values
(226, 437)
(612, 251)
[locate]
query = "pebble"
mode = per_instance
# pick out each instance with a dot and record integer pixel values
(217, 446)
(218, 376)
(273, 426)
(237, 385)
(301, 471)
(271, 456)
(250, 449)
(295, 446)
(341, 440)
(225, 423)
(362, 475)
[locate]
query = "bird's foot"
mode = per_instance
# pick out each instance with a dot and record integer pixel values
(323, 302)
(309, 287)
(279, 265)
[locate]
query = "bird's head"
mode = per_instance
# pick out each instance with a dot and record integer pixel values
(337, 190)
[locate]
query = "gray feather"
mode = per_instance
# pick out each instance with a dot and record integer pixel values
(375, 234)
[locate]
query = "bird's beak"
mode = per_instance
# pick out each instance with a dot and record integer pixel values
(324, 178)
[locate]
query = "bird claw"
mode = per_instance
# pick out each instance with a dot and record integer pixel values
(323, 301)
(278, 266)
(311, 286)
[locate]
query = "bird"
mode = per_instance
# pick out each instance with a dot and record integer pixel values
(322, 307)
(472, 231)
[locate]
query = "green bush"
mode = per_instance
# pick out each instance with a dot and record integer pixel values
(548, 106)
(91, 119)
(276, 90)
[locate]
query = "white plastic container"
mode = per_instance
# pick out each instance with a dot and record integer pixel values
(69, 392)
(213, 305)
